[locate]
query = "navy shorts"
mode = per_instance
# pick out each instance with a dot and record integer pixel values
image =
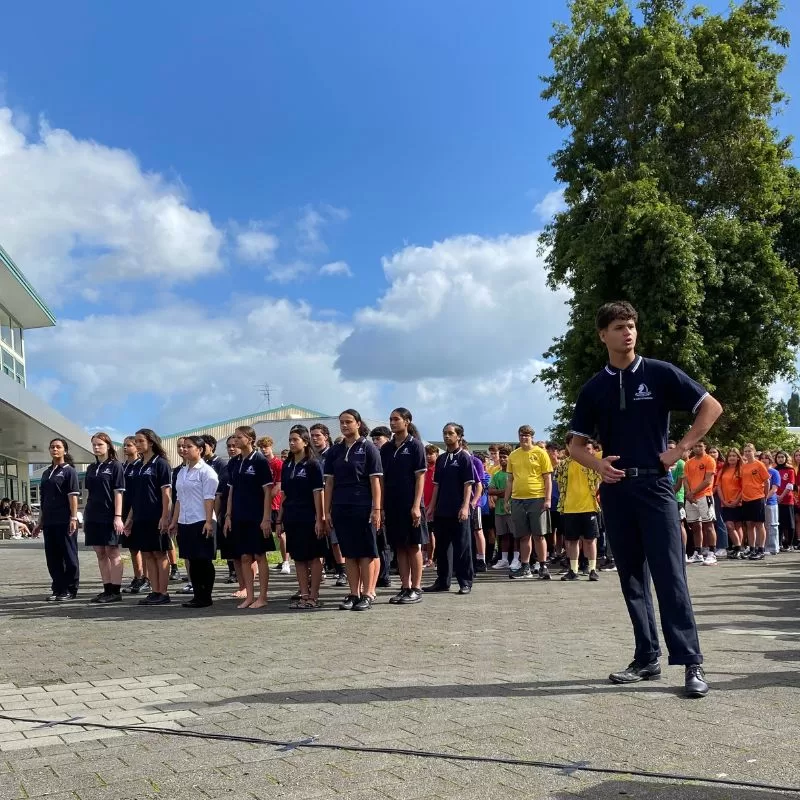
(401, 532)
(733, 514)
(753, 511)
(580, 526)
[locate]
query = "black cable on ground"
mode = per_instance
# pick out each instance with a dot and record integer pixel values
(565, 768)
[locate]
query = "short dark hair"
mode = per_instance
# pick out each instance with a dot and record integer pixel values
(611, 312)
(504, 450)
(210, 440)
(381, 430)
(553, 446)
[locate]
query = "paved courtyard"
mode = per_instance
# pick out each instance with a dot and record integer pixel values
(517, 669)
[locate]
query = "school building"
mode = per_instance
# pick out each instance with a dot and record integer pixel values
(27, 423)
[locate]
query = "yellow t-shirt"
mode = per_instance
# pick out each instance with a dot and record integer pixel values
(492, 468)
(528, 468)
(581, 498)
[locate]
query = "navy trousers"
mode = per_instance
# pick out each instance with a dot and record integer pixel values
(643, 528)
(453, 551)
(61, 552)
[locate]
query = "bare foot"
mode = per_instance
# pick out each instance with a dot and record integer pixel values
(260, 603)
(240, 594)
(245, 604)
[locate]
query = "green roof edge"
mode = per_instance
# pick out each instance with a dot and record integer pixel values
(19, 275)
(310, 412)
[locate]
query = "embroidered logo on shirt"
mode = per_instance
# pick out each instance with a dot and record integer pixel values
(250, 471)
(404, 451)
(301, 473)
(643, 393)
(147, 471)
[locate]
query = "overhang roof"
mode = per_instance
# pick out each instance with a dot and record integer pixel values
(20, 298)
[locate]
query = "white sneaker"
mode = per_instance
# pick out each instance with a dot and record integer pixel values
(686, 558)
(501, 564)
(696, 558)
(285, 568)
(515, 565)
(721, 553)
(710, 560)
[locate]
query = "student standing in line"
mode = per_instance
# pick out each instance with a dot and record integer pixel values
(729, 491)
(502, 513)
(148, 519)
(785, 500)
(353, 506)
(382, 567)
(772, 521)
(450, 510)
(248, 519)
(755, 488)
(431, 454)
(477, 542)
(102, 517)
(209, 453)
(139, 583)
(699, 473)
(266, 446)
(302, 516)
(173, 553)
(58, 520)
(221, 509)
(321, 439)
(403, 461)
(193, 518)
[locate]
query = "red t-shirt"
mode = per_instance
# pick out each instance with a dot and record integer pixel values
(427, 489)
(276, 465)
(787, 477)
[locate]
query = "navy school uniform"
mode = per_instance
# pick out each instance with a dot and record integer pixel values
(453, 471)
(401, 466)
(103, 482)
(151, 477)
(223, 490)
(300, 481)
(58, 484)
(248, 478)
(628, 411)
(130, 471)
(351, 504)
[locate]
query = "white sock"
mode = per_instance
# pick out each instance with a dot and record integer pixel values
(480, 556)
(516, 555)
(507, 556)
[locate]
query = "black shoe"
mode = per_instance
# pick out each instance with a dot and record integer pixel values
(364, 603)
(134, 587)
(341, 580)
(51, 597)
(232, 578)
(436, 587)
(544, 574)
(175, 576)
(296, 596)
(480, 566)
(111, 597)
(569, 576)
(63, 596)
(146, 601)
(197, 604)
(398, 598)
(385, 583)
(593, 576)
(277, 567)
(465, 590)
(760, 555)
(636, 672)
(348, 602)
(98, 598)
(412, 596)
(161, 600)
(695, 681)
(524, 572)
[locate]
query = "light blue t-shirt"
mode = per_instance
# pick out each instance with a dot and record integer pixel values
(774, 480)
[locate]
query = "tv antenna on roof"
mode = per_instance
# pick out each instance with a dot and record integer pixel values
(266, 395)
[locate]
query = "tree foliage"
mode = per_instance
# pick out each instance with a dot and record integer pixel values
(680, 198)
(793, 410)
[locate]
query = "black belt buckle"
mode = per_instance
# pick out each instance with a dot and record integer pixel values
(632, 472)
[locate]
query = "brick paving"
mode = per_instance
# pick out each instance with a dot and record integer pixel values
(516, 669)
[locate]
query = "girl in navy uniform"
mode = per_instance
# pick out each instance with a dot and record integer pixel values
(193, 518)
(249, 522)
(148, 519)
(353, 506)
(59, 492)
(403, 458)
(102, 517)
(139, 583)
(302, 516)
(221, 510)
(321, 439)
(453, 478)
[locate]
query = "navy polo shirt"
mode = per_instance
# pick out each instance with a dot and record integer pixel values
(628, 410)
(103, 481)
(452, 472)
(216, 463)
(248, 476)
(58, 484)
(299, 481)
(151, 477)
(401, 465)
(351, 468)
(131, 470)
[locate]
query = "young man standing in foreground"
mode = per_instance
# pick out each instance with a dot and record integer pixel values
(628, 404)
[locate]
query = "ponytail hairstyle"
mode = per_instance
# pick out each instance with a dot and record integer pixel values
(155, 441)
(363, 430)
(459, 429)
(304, 434)
(406, 415)
(249, 432)
(104, 437)
(68, 459)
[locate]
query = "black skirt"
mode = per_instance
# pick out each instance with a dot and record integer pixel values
(193, 544)
(302, 543)
(247, 539)
(224, 543)
(353, 530)
(401, 532)
(147, 538)
(100, 534)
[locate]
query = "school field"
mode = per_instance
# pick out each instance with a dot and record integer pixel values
(516, 670)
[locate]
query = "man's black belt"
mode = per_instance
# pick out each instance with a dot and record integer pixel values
(640, 472)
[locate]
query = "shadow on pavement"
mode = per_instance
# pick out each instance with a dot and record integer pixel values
(648, 790)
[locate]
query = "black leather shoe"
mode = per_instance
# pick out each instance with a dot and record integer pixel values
(465, 590)
(696, 685)
(436, 587)
(636, 672)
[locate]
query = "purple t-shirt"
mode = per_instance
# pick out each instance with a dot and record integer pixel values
(479, 473)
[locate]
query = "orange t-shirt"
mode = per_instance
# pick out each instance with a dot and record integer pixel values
(730, 486)
(695, 471)
(753, 477)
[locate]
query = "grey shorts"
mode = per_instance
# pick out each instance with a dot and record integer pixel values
(503, 525)
(530, 518)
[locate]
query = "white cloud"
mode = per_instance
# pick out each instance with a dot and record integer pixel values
(336, 268)
(45, 387)
(74, 210)
(463, 308)
(255, 246)
(313, 222)
(550, 205)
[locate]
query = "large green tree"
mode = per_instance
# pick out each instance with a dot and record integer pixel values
(680, 198)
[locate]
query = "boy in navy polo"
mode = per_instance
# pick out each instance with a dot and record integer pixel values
(628, 404)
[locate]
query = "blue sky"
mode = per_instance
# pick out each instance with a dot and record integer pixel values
(199, 169)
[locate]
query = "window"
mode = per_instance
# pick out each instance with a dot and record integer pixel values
(20, 369)
(16, 334)
(8, 363)
(5, 327)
